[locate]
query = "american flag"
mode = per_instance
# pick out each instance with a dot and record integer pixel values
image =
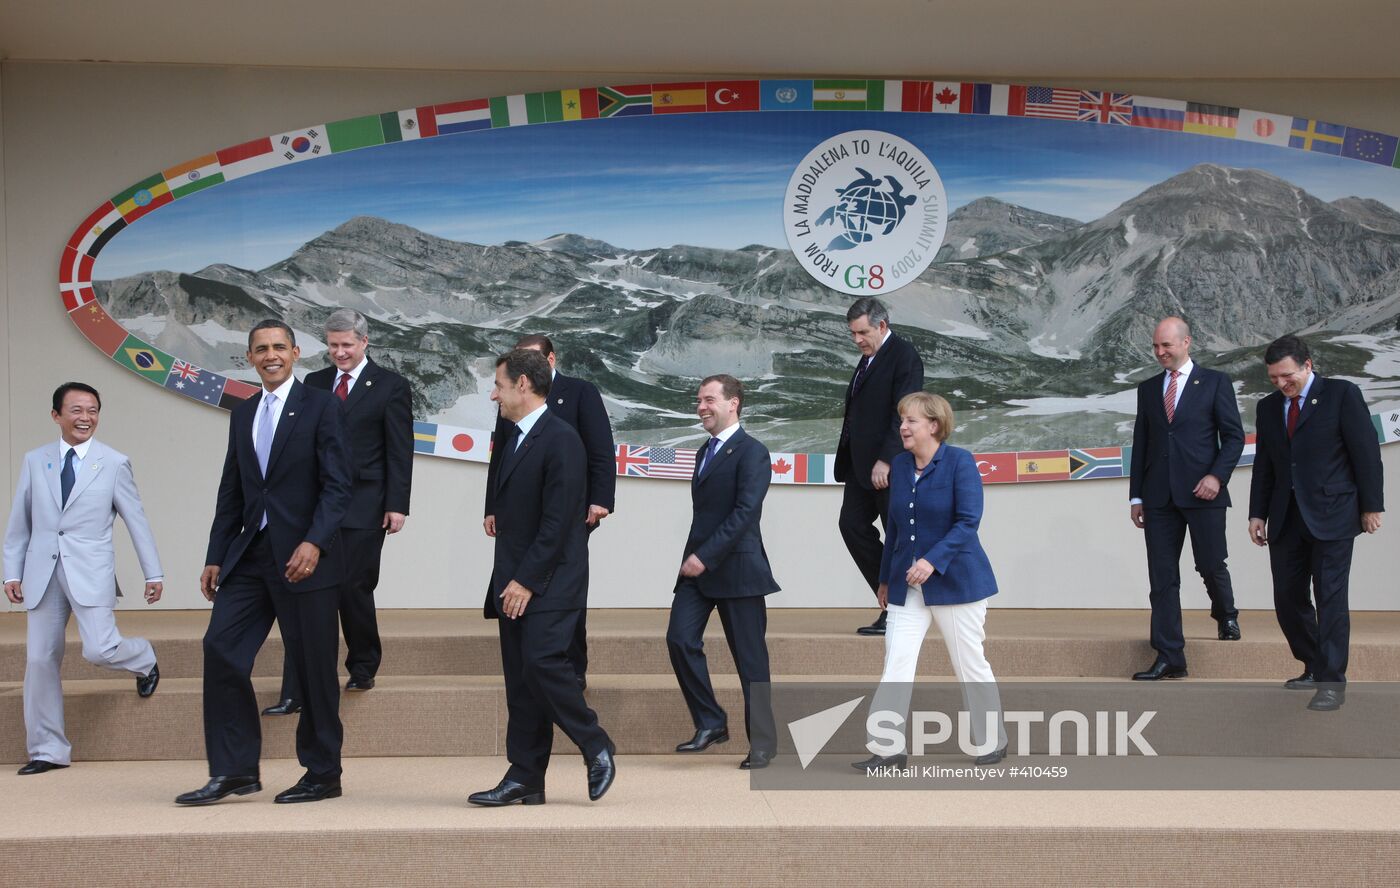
(1043, 101)
(645, 461)
(1106, 107)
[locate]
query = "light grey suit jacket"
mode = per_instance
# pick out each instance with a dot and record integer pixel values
(42, 530)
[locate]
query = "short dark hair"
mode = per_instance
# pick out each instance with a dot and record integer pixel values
(62, 391)
(271, 324)
(1289, 346)
(868, 306)
(730, 387)
(538, 341)
(528, 363)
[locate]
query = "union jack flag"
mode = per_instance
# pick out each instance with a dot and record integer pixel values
(185, 369)
(1106, 107)
(1043, 101)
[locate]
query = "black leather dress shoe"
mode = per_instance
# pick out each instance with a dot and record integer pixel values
(1304, 682)
(601, 771)
(220, 787)
(756, 760)
(990, 758)
(875, 628)
(1327, 700)
(1159, 670)
(39, 766)
(882, 761)
(507, 792)
(309, 791)
(1229, 630)
(359, 684)
(704, 738)
(146, 684)
(283, 707)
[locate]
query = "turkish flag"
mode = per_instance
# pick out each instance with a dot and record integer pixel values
(996, 468)
(732, 95)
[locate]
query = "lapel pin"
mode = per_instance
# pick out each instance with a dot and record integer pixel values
(560, 401)
(291, 414)
(369, 382)
(1195, 382)
(729, 450)
(1313, 401)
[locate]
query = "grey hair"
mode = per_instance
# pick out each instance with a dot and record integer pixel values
(868, 306)
(347, 320)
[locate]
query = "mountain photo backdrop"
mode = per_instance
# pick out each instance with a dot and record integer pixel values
(651, 251)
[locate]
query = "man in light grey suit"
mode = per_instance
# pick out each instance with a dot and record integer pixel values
(58, 549)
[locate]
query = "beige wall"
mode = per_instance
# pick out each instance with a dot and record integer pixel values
(73, 134)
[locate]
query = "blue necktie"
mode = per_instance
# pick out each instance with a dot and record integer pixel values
(66, 477)
(262, 443)
(709, 455)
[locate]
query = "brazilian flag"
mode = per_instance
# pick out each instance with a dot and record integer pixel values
(143, 358)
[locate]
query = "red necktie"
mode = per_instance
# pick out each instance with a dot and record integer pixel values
(342, 388)
(1169, 400)
(1293, 410)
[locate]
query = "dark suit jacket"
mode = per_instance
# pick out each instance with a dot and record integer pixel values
(305, 493)
(379, 422)
(541, 540)
(870, 417)
(724, 532)
(577, 402)
(1205, 437)
(1332, 465)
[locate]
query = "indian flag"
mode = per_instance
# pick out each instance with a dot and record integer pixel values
(195, 175)
(842, 95)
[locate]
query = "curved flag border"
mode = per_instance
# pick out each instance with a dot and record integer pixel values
(1098, 107)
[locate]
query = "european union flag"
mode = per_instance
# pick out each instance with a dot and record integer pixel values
(786, 95)
(1368, 146)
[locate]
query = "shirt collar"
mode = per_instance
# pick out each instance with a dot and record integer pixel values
(354, 374)
(1308, 385)
(81, 449)
(283, 390)
(528, 421)
(727, 433)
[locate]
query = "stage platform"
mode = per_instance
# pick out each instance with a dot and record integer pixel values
(432, 732)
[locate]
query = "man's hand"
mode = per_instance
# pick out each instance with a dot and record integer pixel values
(209, 581)
(1370, 521)
(692, 567)
(514, 599)
(882, 594)
(1208, 488)
(393, 521)
(595, 515)
(918, 572)
(880, 474)
(303, 562)
(488, 524)
(13, 593)
(1135, 513)
(153, 591)
(1257, 534)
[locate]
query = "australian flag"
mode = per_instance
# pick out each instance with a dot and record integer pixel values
(195, 382)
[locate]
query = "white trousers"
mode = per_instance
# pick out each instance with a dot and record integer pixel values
(963, 627)
(103, 645)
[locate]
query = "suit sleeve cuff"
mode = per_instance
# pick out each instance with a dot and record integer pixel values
(1135, 501)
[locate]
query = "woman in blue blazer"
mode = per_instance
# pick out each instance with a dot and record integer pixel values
(934, 570)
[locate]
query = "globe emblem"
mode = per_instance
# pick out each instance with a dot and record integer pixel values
(863, 210)
(787, 95)
(145, 360)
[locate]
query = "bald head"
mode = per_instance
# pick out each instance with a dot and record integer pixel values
(1171, 343)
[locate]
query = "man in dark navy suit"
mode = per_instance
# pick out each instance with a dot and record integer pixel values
(1317, 484)
(539, 585)
(577, 402)
(889, 369)
(724, 567)
(1186, 441)
(274, 551)
(378, 408)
